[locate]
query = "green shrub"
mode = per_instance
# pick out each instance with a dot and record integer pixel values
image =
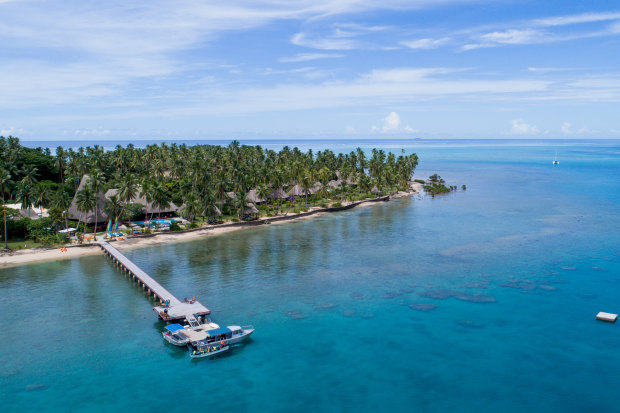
(420, 181)
(175, 227)
(235, 220)
(336, 205)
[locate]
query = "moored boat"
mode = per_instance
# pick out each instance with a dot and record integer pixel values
(175, 334)
(227, 335)
(208, 351)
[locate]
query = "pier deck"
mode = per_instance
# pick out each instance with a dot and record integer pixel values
(176, 310)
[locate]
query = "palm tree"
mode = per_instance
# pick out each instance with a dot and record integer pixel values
(61, 201)
(41, 197)
(159, 197)
(26, 185)
(306, 184)
(96, 182)
(113, 207)
(85, 202)
(127, 190)
(191, 207)
(5, 181)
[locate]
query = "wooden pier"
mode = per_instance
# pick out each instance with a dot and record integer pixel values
(176, 309)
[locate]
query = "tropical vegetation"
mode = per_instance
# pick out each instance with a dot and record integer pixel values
(203, 180)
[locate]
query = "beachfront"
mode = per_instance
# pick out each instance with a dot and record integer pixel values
(27, 256)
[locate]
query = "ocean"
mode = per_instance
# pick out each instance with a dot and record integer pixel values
(482, 300)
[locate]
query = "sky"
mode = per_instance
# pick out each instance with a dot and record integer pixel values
(281, 69)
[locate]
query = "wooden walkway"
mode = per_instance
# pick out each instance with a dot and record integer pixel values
(176, 309)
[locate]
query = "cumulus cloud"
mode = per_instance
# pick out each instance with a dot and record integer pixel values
(566, 128)
(11, 131)
(89, 132)
(519, 127)
(393, 124)
(350, 130)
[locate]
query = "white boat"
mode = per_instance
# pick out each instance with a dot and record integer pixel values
(555, 159)
(175, 334)
(208, 351)
(227, 335)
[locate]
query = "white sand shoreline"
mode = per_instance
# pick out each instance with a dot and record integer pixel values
(28, 256)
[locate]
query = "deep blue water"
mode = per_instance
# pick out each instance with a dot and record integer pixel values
(481, 300)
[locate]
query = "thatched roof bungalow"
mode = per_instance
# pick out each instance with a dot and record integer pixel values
(278, 194)
(254, 198)
(88, 217)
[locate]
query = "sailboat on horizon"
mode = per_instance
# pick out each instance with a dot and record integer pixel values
(555, 159)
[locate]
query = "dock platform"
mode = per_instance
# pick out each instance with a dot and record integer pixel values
(610, 318)
(176, 309)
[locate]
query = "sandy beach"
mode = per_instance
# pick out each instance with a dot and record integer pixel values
(28, 256)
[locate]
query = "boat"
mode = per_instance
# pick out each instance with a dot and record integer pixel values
(208, 351)
(227, 335)
(175, 334)
(555, 159)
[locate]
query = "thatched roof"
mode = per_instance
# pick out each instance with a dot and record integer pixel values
(297, 190)
(334, 184)
(231, 195)
(253, 197)
(214, 211)
(88, 217)
(374, 190)
(315, 188)
(278, 194)
(141, 199)
(250, 209)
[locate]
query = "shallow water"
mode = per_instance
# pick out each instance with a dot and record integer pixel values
(481, 300)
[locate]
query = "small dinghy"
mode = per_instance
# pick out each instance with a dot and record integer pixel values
(208, 351)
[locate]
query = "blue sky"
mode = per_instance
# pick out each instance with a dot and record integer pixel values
(269, 69)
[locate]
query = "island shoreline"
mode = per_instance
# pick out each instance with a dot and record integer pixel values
(36, 255)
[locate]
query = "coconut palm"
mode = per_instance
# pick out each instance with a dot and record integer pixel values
(85, 203)
(62, 201)
(5, 182)
(127, 191)
(96, 182)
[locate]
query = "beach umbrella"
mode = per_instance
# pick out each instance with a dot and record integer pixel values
(64, 231)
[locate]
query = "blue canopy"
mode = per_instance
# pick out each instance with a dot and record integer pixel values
(222, 330)
(174, 327)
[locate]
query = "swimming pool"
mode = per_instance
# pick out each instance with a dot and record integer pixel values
(156, 222)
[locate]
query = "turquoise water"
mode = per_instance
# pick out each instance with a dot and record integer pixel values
(482, 300)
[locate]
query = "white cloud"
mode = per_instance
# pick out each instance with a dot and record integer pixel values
(576, 19)
(566, 128)
(11, 131)
(305, 57)
(393, 124)
(324, 43)
(350, 130)
(89, 132)
(426, 43)
(519, 127)
(525, 36)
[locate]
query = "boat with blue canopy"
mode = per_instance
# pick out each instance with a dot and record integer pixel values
(175, 334)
